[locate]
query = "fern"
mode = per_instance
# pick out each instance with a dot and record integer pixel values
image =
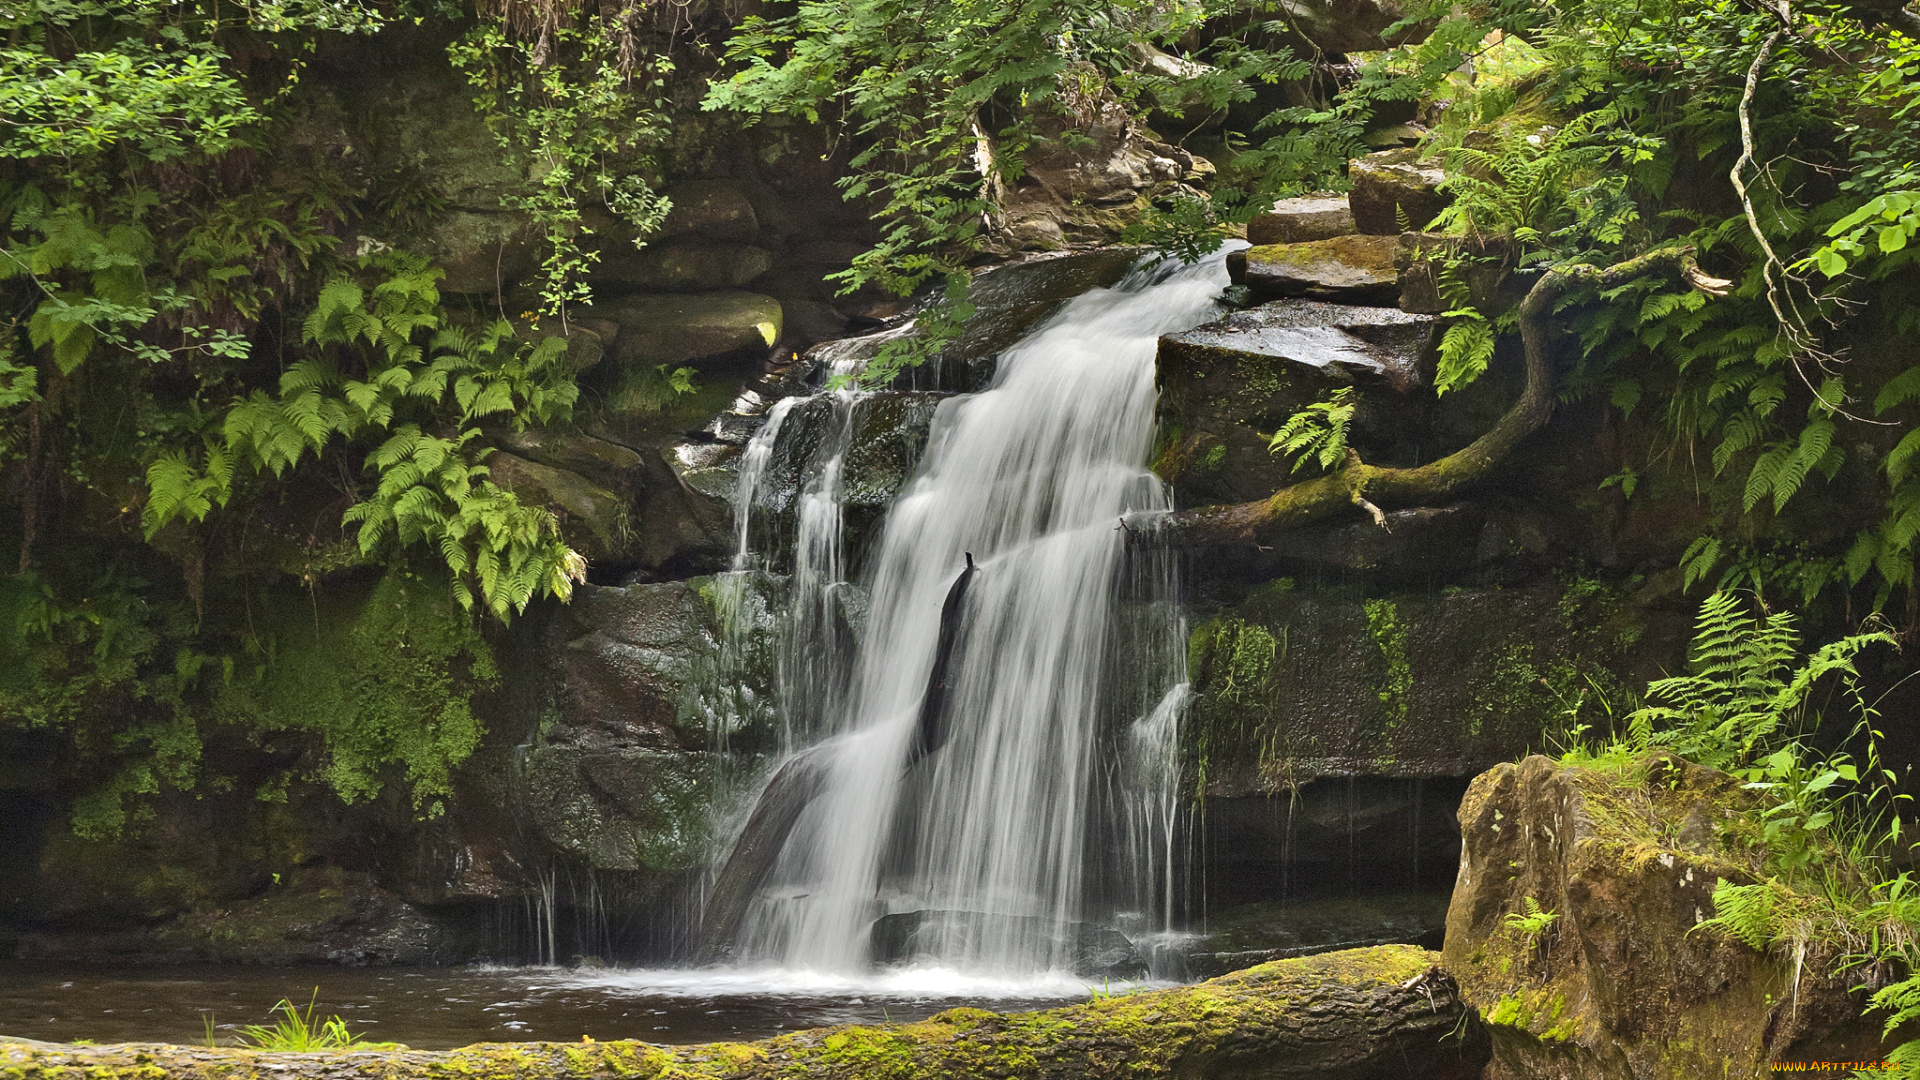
(1317, 433)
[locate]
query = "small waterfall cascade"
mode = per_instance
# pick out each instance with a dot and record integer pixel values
(1049, 798)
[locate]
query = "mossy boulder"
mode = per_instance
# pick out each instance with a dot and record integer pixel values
(592, 518)
(1368, 1014)
(1352, 269)
(1394, 191)
(681, 267)
(1623, 985)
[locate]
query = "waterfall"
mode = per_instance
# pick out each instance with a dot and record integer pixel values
(1065, 683)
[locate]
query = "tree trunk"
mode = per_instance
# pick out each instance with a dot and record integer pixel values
(1365, 1014)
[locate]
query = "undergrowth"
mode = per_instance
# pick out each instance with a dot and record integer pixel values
(1821, 818)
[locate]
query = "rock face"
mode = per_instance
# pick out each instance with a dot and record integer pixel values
(1621, 986)
(1394, 192)
(1291, 684)
(1368, 1014)
(1347, 269)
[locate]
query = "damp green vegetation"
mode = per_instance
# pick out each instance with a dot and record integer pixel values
(1390, 639)
(299, 1030)
(1810, 833)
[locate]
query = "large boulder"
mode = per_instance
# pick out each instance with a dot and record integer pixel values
(681, 328)
(1354, 269)
(1367, 1014)
(711, 210)
(1009, 301)
(1623, 985)
(1227, 386)
(592, 519)
(1394, 192)
(624, 506)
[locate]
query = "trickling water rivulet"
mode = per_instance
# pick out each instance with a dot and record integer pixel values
(1050, 800)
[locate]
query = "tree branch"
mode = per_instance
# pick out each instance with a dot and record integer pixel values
(1355, 483)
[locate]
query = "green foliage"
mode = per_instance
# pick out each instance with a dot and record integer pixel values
(1747, 690)
(300, 1031)
(1389, 636)
(387, 680)
(945, 102)
(1826, 824)
(1317, 433)
(1531, 924)
(411, 370)
(576, 97)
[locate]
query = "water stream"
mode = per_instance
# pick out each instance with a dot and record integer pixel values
(1049, 801)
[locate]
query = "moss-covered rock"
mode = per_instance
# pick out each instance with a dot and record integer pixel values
(678, 328)
(1394, 191)
(1354, 269)
(1367, 1014)
(1621, 985)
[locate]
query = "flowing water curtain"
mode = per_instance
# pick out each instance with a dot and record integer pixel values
(1032, 477)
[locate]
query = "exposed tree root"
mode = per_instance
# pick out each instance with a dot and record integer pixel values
(1371, 487)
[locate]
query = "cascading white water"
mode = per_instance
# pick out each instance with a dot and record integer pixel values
(1031, 477)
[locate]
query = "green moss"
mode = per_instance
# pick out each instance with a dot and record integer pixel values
(1214, 458)
(1390, 638)
(385, 680)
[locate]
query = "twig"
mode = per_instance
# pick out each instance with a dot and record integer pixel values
(1795, 328)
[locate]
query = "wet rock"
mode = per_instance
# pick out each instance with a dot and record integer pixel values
(1225, 387)
(630, 659)
(1384, 1012)
(866, 447)
(317, 916)
(1393, 192)
(1622, 984)
(679, 328)
(1009, 301)
(775, 811)
(1296, 221)
(620, 807)
(1093, 951)
(1348, 269)
(655, 521)
(689, 267)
